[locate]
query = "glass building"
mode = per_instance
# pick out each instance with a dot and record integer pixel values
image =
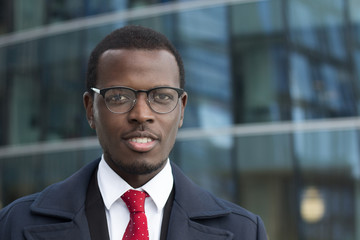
(272, 119)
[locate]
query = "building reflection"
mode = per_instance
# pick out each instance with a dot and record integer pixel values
(272, 119)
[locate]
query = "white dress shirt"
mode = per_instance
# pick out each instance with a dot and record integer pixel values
(112, 187)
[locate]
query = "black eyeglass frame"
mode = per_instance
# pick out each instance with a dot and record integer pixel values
(103, 91)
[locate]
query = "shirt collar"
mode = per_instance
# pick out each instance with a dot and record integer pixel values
(112, 186)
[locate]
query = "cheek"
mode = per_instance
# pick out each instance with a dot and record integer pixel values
(105, 122)
(172, 130)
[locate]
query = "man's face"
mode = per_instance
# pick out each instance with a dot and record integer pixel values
(121, 135)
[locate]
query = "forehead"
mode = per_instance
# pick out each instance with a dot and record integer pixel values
(137, 68)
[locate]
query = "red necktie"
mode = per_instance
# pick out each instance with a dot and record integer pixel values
(137, 228)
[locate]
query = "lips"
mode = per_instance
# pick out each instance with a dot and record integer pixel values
(141, 141)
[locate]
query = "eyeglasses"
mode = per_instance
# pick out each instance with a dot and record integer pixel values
(123, 99)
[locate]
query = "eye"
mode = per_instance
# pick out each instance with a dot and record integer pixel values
(163, 97)
(116, 99)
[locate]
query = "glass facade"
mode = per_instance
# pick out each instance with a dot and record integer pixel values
(272, 119)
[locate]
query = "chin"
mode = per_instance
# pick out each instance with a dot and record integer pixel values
(141, 167)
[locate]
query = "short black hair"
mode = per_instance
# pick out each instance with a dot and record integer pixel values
(131, 37)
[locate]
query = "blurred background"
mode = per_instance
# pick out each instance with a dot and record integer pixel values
(272, 119)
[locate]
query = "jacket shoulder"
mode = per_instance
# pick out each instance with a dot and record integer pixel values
(239, 221)
(237, 210)
(21, 205)
(59, 202)
(15, 216)
(205, 209)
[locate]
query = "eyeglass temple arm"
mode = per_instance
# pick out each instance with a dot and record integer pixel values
(96, 90)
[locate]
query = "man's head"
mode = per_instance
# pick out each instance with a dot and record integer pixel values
(136, 130)
(131, 37)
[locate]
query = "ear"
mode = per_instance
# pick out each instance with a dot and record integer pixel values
(183, 102)
(88, 101)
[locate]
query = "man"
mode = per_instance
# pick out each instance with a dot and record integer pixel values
(135, 102)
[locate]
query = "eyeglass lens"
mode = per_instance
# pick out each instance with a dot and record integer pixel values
(160, 100)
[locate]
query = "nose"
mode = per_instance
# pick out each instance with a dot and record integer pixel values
(141, 112)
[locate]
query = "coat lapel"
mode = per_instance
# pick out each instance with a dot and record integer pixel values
(192, 205)
(67, 230)
(182, 227)
(64, 206)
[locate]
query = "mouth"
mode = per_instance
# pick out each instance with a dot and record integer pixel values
(141, 142)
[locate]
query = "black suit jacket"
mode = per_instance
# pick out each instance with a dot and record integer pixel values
(58, 213)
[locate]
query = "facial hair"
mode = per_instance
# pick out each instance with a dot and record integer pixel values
(134, 168)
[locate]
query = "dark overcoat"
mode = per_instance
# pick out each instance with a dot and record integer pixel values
(58, 213)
